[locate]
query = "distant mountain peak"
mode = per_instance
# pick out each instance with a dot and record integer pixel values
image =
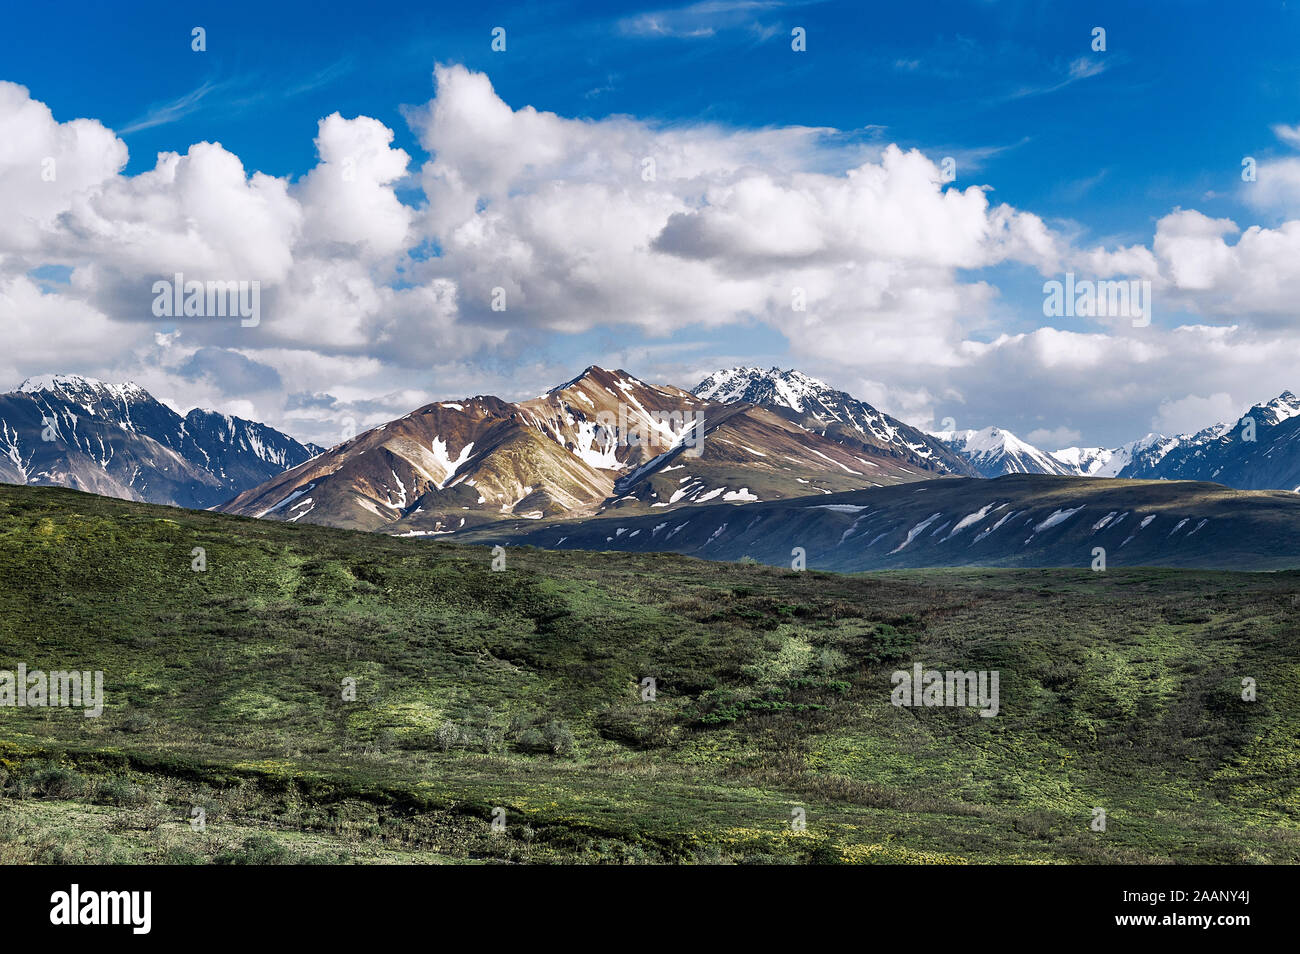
(816, 405)
(1283, 407)
(76, 384)
(995, 451)
(119, 441)
(778, 387)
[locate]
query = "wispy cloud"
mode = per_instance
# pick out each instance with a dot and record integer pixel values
(1288, 134)
(336, 70)
(1077, 189)
(947, 58)
(1080, 69)
(609, 86)
(699, 20)
(974, 158)
(161, 114)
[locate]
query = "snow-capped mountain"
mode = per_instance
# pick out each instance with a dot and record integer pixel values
(1085, 461)
(1107, 462)
(835, 414)
(1260, 451)
(118, 441)
(994, 452)
(603, 441)
(774, 387)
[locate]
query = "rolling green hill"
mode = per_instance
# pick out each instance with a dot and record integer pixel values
(517, 693)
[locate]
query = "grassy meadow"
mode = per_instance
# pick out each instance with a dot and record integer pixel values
(325, 696)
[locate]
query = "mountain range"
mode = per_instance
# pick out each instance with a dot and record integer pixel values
(119, 441)
(816, 406)
(604, 443)
(1258, 451)
(604, 440)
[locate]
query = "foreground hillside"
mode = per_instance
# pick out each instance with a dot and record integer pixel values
(1021, 520)
(518, 691)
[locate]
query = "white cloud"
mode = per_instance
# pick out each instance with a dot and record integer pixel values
(44, 164)
(564, 215)
(1193, 412)
(348, 197)
(558, 213)
(199, 212)
(1276, 187)
(1254, 278)
(1055, 437)
(1288, 134)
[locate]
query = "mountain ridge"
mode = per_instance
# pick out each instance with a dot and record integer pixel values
(842, 417)
(601, 440)
(1018, 520)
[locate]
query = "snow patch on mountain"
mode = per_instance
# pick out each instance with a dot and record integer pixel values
(449, 466)
(969, 519)
(1058, 517)
(916, 531)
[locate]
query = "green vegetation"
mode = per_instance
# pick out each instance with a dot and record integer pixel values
(522, 690)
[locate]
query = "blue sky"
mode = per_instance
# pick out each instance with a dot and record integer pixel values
(1189, 87)
(1099, 145)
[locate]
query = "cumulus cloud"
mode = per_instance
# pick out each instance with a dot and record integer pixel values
(583, 224)
(1275, 187)
(348, 197)
(199, 212)
(877, 271)
(44, 164)
(1253, 277)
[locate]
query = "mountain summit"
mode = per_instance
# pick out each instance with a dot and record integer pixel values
(995, 451)
(1259, 451)
(836, 415)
